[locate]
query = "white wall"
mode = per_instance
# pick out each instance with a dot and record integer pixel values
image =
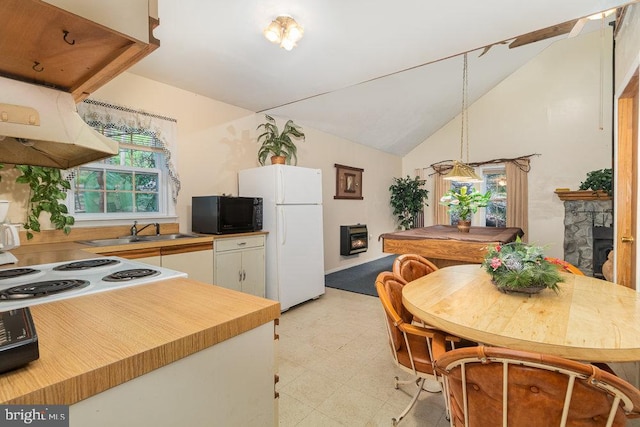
(550, 106)
(627, 47)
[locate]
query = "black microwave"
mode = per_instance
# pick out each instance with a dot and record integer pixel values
(225, 214)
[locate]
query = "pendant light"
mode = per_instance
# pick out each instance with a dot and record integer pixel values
(463, 172)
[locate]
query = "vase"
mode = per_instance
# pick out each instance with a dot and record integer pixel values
(278, 160)
(464, 226)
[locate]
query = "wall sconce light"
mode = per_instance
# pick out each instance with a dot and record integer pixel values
(285, 31)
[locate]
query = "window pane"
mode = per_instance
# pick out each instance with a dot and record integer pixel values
(496, 213)
(119, 202)
(147, 182)
(144, 159)
(89, 202)
(90, 179)
(146, 202)
(119, 181)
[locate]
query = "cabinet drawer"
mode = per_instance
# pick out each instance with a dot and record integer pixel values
(231, 244)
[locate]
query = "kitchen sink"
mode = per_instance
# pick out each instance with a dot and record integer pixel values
(124, 240)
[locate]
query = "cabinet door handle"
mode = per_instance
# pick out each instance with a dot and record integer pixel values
(240, 276)
(627, 239)
(242, 243)
(244, 275)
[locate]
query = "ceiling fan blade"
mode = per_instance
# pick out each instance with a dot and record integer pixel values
(545, 33)
(578, 27)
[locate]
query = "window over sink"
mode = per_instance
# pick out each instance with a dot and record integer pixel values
(141, 181)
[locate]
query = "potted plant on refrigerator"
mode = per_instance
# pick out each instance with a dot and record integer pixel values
(278, 144)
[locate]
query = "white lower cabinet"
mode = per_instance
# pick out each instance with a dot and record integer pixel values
(223, 385)
(239, 264)
(198, 265)
(195, 260)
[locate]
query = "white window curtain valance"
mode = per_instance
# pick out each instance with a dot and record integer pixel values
(98, 113)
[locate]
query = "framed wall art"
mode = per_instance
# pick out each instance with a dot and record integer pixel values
(348, 182)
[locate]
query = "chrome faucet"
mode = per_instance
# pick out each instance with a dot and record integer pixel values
(135, 230)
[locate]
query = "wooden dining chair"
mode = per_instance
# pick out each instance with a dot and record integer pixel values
(413, 347)
(412, 266)
(492, 386)
(564, 265)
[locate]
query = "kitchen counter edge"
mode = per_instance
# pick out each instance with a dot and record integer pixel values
(95, 342)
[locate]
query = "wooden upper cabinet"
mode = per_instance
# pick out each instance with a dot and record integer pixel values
(46, 45)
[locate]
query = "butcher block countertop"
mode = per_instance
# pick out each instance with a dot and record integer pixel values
(91, 343)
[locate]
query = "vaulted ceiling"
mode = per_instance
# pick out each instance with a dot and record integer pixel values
(383, 74)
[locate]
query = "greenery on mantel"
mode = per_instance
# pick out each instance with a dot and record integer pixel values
(47, 190)
(601, 179)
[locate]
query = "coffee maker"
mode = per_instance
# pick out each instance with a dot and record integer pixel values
(9, 238)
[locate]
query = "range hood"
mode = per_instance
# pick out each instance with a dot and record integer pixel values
(40, 126)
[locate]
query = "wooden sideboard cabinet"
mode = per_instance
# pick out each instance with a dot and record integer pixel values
(239, 263)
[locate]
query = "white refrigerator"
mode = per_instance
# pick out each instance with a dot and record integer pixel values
(292, 214)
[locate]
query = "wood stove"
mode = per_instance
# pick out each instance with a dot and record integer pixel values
(602, 245)
(354, 239)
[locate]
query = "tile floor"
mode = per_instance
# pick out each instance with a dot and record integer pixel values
(336, 368)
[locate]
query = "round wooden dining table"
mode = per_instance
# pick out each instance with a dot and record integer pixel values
(588, 319)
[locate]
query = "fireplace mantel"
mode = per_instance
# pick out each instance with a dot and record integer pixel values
(566, 195)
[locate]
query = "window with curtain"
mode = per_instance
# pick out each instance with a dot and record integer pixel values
(510, 172)
(495, 214)
(141, 181)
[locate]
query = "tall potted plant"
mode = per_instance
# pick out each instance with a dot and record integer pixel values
(465, 203)
(407, 199)
(278, 144)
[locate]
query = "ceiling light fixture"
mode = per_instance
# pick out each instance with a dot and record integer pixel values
(463, 172)
(285, 31)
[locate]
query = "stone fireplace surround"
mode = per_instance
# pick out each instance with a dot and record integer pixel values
(581, 217)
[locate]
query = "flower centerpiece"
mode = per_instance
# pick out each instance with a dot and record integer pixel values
(464, 203)
(520, 267)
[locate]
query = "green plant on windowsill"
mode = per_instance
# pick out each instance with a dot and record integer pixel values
(601, 179)
(47, 191)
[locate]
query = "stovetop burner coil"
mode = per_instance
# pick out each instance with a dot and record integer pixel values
(132, 274)
(16, 272)
(86, 264)
(41, 289)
